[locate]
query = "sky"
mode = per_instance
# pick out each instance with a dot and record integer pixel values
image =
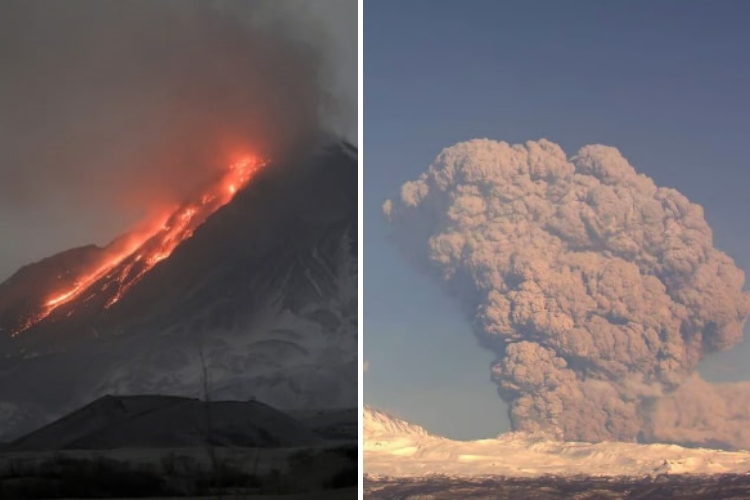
(665, 82)
(107, 108)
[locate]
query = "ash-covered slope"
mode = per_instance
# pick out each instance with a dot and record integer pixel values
(396, 448)
(265, 292)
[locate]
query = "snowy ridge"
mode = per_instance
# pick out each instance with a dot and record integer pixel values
(378, 425)
(396, 448)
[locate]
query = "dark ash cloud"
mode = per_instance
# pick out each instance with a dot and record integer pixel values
(598, 291)
(118, 106)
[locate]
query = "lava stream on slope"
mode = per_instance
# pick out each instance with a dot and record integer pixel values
(127, 259)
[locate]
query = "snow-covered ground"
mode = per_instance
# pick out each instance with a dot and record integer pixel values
(396, 448)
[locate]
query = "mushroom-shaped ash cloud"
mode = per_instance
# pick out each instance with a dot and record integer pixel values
(598, 291)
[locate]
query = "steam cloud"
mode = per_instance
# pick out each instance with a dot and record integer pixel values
(598, 291)
(126, 104)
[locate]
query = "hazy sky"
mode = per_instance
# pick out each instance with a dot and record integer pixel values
(665, 82)
(106, 107)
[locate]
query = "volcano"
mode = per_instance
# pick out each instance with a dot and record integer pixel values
(247, 290)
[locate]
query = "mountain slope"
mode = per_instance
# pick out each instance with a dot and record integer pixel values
(396, 448)
(379, 428)
(264, 292)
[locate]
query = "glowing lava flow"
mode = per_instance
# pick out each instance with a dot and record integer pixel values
(130, 258)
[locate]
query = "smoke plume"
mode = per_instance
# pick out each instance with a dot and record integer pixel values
(124, 105)
(598, 291)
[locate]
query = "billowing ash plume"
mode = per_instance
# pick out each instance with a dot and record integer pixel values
(598, 291)
(704, 414)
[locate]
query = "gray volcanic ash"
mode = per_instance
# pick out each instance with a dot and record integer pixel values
(598, 291)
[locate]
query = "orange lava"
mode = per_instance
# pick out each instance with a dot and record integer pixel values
(129, 259)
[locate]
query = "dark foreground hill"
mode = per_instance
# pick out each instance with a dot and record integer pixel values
(161, 446)
(168, 422)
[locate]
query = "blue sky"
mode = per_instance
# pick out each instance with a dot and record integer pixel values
(666, 82)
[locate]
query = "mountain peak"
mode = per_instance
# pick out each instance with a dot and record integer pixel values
(378, 425)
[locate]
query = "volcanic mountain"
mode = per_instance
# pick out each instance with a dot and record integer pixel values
(247, 291)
